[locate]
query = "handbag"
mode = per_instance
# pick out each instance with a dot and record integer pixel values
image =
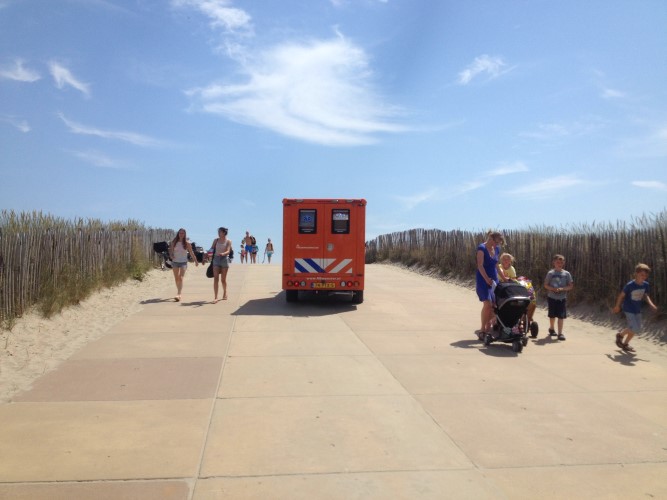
(209, 269)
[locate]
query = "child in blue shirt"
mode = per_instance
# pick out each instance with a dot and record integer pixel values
(634, 293)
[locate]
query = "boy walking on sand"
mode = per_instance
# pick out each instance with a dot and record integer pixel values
(558, 282)
(634, 292)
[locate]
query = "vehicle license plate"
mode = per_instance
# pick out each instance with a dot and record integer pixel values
(324, 285)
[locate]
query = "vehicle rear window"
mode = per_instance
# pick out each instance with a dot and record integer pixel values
(340, 221)
(307, 221)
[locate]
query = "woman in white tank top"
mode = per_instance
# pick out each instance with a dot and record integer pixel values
(178, 252)
(221, 247)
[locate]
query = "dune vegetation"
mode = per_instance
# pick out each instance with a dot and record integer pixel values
(600, 256)
(49, 262)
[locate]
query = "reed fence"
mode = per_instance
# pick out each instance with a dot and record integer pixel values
(600, 257)
(51, 262)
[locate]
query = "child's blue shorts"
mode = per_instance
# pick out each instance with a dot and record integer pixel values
(634, 321)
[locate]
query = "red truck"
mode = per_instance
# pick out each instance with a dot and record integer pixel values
(324, 247)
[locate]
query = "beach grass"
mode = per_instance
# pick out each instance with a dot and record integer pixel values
(50, 263)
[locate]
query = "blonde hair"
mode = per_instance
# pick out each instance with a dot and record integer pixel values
(642, 267)
(505, 255)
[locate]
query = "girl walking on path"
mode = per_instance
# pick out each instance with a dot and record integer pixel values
(221, 247)
(178, 252)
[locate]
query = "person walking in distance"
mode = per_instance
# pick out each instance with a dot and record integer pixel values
(268, 251)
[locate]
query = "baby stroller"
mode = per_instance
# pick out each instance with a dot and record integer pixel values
(530, 325)
(511, 301)
(162, 249)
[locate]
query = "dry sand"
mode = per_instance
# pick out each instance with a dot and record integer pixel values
(36, 345)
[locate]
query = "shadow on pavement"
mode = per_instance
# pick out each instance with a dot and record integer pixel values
(498, 349)
(545, 341)
(198, 303)
(156, 301)
(306, 306)
(625, 358)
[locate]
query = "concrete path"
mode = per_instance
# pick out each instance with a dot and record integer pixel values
(256, 398)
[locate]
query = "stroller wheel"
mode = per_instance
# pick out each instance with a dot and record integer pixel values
(488, 339)
(534, 329)
(517, 346)
(524, 341)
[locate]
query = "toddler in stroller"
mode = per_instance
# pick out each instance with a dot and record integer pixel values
(510, 305)
(162, 249)
(507, 272)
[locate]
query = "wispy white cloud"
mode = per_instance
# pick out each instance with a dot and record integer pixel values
(508, 169)
(492, 67)
(22, 125)
(607, 93)
(547, 188)
(410, 202)
(130, 137)
(653, 144)
(104, 4)
(64, 77)
(554, 131)
(547, 131)
(221, 14)
(319, 92)
(487, 178)
(439, 194)
(600, 80)
(653, 185)
(95, 158)
(18, 72)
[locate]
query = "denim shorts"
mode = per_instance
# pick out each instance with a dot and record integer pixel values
(179, 264)
(634, 321)
(220, 261)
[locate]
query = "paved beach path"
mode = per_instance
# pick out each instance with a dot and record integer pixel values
(394, 398)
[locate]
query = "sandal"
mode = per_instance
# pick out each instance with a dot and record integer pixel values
(619, 340)
(628, 348)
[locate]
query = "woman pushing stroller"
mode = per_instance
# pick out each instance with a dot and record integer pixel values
(485, 276)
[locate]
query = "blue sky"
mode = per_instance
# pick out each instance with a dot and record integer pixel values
(442, 114)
